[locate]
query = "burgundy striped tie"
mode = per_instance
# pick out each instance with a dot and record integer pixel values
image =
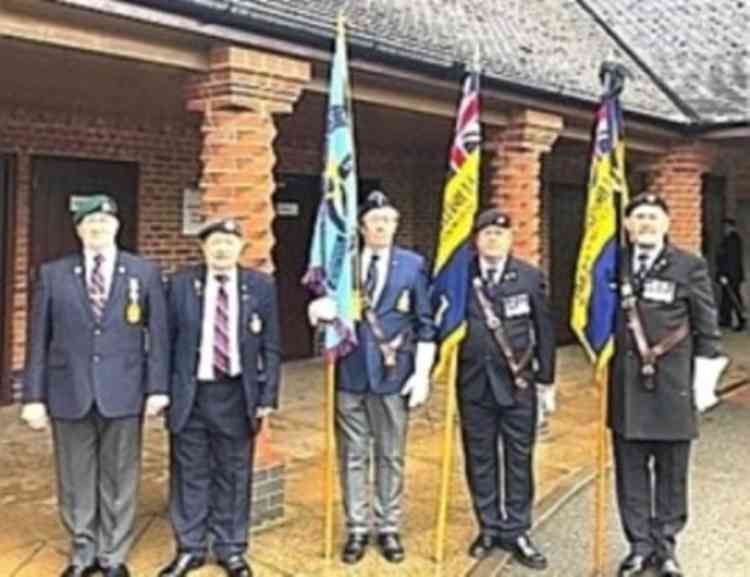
(221, 330)
(97, 290)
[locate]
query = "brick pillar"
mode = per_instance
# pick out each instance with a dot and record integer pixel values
(677, 176)
(516, 154)
(238, 98)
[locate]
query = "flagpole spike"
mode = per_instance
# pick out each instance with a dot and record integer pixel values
(477, 61)
(612, 76)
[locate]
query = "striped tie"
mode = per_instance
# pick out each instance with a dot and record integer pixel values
(97, 290)
(221, 330)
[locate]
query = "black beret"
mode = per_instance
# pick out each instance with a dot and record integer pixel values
(83, 206)
(225, 225)
(647, 199)
(376, 199)
(491, 217)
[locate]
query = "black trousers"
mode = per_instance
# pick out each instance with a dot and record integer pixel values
(651, 483)
(731, 304)
(211, 473)
(499, 446)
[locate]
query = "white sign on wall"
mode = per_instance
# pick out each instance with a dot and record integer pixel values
(191, 217)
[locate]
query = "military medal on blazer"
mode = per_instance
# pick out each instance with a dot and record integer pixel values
(133, 310)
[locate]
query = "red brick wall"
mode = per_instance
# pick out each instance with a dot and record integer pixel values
(167, 155)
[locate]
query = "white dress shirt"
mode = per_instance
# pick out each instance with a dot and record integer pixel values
(206, 361)
(652, 252)
(383, 265)
(499, 268)
(107, 266)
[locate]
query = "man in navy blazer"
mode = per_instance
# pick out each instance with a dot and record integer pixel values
(97, 356)
(226, 360)
(381, 379)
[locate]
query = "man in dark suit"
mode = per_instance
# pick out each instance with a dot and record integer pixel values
(226, 360)
(666, 326)
(385, 376)
(505, 378)
(730, 272)
(97, 354)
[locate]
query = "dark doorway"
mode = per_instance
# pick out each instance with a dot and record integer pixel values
(296, 204)
(568, 204)
(7, 195)
(712, 212)
(56, 180)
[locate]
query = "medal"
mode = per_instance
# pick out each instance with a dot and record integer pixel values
(198, 286)
(256, 324)
(403, 305)
(133, 312)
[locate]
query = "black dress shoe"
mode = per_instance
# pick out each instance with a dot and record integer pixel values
(116, 571)
(670, 568)
(183, 564)
(391, 548)
(78, 571)
(634, 565)
(526, 553)
(236, 566)
(354, 549)
(482, 546)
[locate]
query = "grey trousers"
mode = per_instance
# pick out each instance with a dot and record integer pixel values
(98, 466)
(380, 420)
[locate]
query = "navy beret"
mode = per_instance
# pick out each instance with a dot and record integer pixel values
(83, 206)
(225, 225)
(491, 217)
(646, 199)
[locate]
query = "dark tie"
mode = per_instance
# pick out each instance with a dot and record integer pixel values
(371, 280)
(221, 329)
(97, 289)
(642, 265)
(490, 280)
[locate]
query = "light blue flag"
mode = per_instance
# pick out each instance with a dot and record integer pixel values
(333, 255)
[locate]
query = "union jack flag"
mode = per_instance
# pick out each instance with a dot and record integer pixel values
(468, 132)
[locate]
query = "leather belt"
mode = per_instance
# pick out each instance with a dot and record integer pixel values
(495, 326)
(388, 348)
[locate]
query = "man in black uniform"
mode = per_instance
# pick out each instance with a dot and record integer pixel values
(667, 325)
(730, 273)
(506, 374)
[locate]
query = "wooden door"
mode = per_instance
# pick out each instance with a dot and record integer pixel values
(568, 204)
(55, 180)
(7, 192)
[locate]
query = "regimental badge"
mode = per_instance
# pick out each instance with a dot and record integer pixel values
(133, 310)
(403, 305)
(510, 276)
(256, 324)
(516, 306)
(661, 291)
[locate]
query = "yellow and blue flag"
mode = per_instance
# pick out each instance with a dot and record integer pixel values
(595, 294)
(333, 254)
(460, 200)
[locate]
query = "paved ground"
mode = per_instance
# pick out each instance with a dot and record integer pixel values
(33, 543)
(715, 542)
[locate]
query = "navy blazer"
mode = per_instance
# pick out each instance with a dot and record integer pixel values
(75, 361)
(259, 340)
(520, 301)
(403, 307)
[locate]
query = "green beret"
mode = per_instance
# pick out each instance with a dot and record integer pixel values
(83, 206)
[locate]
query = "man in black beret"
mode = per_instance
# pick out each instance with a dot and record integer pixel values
(505, 380)
(730, 272)
(219, 397)
(97, 360)
(381, 380)
(666, 332)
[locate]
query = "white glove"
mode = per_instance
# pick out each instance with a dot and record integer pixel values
(263, 412)
(417, 386)
(322, 309)
(706, 376)
(35, 416)
(155, 405)
(547, 398)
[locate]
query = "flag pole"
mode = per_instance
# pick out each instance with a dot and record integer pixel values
(330, 451)
(448, 445)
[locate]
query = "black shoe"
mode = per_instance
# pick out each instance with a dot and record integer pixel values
(391, 548)
(183, 564)
(116, 571)
(77, 571)
(741, 326)
(354, 549)
(670, 568)
(482, 546)
(634, 565)
(236, 566)
(526, 553)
